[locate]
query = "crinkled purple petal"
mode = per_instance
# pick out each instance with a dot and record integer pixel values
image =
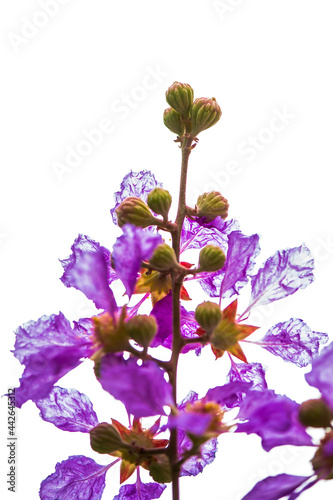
(282, 275)
(148, 491)
(275, 487)
(293, 341)
(49, 348)
(141, 388)
(274, 418)
(242, 251)
(228, 396)
(68, 409)
(195, 465)
(162, 311)
(130, 249)
(77, 478)
(321, 375)
(88, 269)
(253, 373)
(137, 184)
(308, 485)
(197, 233)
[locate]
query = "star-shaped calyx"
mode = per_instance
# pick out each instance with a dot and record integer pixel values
(228, 333)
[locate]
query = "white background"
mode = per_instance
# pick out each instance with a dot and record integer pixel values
(258, 58)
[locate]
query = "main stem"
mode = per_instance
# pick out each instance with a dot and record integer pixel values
(177, 341)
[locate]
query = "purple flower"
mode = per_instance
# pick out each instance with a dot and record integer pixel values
(242, 251)
(49, 348)
(141, 388)
(88, 269)
(282, 275)
(274, 418)
(78, 478)
(275, 487)
(130, 249)
(321, 375)
(148, 491)
(195, 464)
(137, 184)
(228, 395)
(293, 341)
(68, 409)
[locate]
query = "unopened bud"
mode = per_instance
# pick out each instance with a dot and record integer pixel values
(164, 258)
(134, 211)
(211, 258)
(105, 438)
(315, 413)
(208, 315)
(211, 205)
(159, 201)
(180, 97)
(204, 113)
(173, 121)
(142, 329)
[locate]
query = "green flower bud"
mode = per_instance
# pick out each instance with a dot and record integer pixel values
(322, 461)
(173, 121)
(142, 329)
(315, 413)
(159, 201)
(105, 438)
(204, 113)
(180, 97)
(211, 205)
(164, 258)
(134, 211)
(208, 314)
(211, 258)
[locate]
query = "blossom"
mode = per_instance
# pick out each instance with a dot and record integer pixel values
(321, 375)
(137, 184)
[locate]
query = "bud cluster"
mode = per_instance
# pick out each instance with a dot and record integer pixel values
(187, 115)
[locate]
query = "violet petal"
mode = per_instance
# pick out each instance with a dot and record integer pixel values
(88, 269)
(138, 184)
(148, 491)
(197, 234)
(274, 418)
(275, 487)
(68, 409)
(130, 249)
(77, 478)
(293, 341)
(141, 388)
(321, 375)
(253, 373)
(228, 395)
(282, 274)
(242, 251)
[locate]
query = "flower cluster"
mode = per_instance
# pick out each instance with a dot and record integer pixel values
(122, 342)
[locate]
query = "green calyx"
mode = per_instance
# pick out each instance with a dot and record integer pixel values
(208, 314)
(211, 258)
(164, 258)
(105, 438)
(160, 469)
(173, 121)
(204, 114)
(142, 329)
(159, 201)
(134, 211)
(211, 205)
(180, 97)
